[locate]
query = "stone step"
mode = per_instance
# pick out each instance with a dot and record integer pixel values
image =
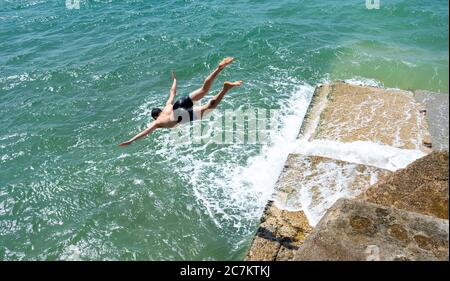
(358, 231)
(317, 182)
(346, 113)
(421, 187)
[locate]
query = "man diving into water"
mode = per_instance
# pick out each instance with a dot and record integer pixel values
(183, 109)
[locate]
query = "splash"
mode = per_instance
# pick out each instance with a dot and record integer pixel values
(234, 194)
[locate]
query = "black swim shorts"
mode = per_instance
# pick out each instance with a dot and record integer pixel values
(182, 107)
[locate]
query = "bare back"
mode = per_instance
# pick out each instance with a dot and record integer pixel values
(167, 118)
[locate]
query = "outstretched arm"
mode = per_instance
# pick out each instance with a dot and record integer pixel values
(153, 126)
(173, 90)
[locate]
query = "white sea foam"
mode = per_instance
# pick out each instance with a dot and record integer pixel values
(138, 182)
(71, 253)
(123, 155)
(261, 173)
(335, 181)
(361, 81)
(361, 152)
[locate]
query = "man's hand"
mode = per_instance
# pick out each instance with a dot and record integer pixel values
(153, 126)
(125, 143)
(225, 62)
(173, 89)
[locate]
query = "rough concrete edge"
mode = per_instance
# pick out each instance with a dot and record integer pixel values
(422, 97)
(263, 218)
(320, 95)
(270, 203)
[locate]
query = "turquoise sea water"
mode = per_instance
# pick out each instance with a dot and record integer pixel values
(75, 82)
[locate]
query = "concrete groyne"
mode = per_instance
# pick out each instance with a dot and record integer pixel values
(314, 211)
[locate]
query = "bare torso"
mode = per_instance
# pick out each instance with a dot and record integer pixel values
(167, 118)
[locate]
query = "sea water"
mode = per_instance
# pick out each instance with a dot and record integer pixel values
(78, 78)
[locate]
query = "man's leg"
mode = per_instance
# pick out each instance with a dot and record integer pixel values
(201, 92)
(214, 102)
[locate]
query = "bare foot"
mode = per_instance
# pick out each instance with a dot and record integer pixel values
(225, 62)
(229, 85)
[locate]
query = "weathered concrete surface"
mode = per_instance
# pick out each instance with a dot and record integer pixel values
(437, 106)
(356, 230)
(279, 235)
(422, 187)
(346, 113)
(318, 182)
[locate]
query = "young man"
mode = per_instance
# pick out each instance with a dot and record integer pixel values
(183, 110)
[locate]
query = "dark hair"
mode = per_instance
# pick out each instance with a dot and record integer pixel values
(156, 112)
